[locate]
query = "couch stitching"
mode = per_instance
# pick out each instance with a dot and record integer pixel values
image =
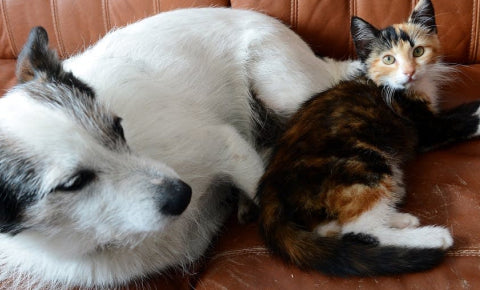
(464, 253)
(472, 44)
(265, 251)
(351, 10)
(241, 252)
(475, 33)
(13, 47)
(56, 24)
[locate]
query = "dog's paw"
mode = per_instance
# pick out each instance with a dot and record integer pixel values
(355, 69)
(247, 211)
(403, 220)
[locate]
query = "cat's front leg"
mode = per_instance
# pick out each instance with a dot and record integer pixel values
(400, 220)
(377, 223)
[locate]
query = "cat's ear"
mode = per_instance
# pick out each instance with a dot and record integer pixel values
(424, 15)
(36, 59)
(363, 34)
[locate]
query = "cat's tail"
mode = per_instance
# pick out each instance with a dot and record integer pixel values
(345, 256)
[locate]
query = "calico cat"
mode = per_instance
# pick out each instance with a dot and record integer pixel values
(329, 194)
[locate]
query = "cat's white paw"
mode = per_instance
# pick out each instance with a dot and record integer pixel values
(428, 237)
(431, 237)
(437, 237)
(330, 229)
(403, 220)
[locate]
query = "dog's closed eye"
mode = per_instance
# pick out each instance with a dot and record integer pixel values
(78, 181)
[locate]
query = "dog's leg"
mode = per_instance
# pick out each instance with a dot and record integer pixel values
(285, 76)
(237, 159)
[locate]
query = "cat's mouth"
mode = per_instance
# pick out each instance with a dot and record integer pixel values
(409, 83)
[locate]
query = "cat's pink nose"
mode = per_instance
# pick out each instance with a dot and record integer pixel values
(409, 74)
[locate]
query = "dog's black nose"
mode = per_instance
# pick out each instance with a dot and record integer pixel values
(176, 196)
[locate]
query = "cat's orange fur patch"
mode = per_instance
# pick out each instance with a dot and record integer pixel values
(349, 202)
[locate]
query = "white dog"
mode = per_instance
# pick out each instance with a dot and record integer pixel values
(90, 200)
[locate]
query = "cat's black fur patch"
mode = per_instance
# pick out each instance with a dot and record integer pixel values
(425, 16)
(361, 238)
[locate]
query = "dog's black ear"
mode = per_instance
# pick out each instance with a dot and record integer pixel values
(36, 59)
(363, 34)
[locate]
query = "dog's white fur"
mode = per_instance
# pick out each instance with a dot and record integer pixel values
(182, 82)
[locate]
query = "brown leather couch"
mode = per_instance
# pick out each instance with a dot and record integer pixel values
(443, 186)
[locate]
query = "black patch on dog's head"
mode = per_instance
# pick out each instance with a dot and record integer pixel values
(38, 62)
(36, 59)
(41, 74)
(18, 188)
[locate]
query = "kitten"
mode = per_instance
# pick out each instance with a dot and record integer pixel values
(329, 194)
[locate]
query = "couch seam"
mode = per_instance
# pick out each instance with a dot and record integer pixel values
(56, 24)
(475, 33)
(464, 253)
(351, 10)
(156, 6)
(473, 252)
(472, 33)
(241, 252)
(291, 18)
(106, 15)
(293, 13)
(13, 47)
(296, 13)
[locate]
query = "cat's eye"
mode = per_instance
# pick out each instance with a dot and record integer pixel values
(418, 51)
(77, 181)
(388, 59)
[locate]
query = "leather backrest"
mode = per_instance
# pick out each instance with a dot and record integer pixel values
(324, 24)
(73, 25)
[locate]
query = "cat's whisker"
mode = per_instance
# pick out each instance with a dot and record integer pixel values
(387, 93)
